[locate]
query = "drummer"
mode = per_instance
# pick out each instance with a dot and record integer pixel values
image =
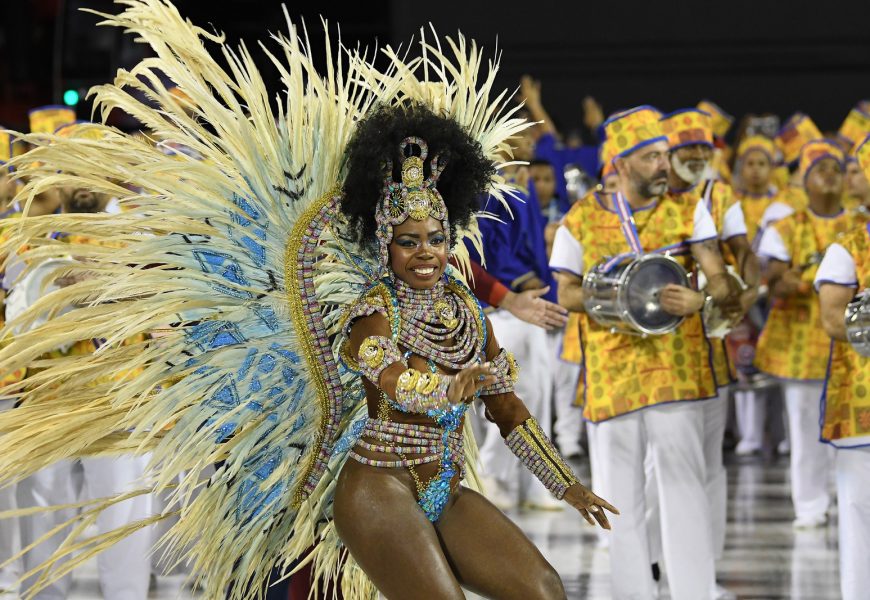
(639, 391)
(845, 270)
(690, 136)
(792, 345)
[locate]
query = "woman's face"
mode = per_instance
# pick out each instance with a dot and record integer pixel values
(418, 252)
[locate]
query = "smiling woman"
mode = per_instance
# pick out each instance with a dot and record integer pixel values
(418, 256)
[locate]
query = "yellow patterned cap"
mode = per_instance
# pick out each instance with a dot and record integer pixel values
(862, 153)
(757, 142)
(796, 132)
(47, 119)
(607, 155)
(632, 129)
(816, 150)
(855, 128)
(688, 127)
(721, 120)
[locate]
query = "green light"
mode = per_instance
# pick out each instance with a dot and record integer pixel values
(71, 97)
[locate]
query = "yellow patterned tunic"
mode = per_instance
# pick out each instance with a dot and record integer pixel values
(846, 400)
(793, 344)
(753, 210)
(623, 373)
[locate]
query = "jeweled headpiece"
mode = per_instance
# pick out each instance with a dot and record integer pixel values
(415, 197)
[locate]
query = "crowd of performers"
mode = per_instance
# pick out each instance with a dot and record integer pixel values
(770, 232)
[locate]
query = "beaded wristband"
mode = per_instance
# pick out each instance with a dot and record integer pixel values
(376, 353)
(506, 372)
(418, 392)
(534, 449)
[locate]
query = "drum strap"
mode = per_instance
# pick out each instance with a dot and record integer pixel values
(629, 231)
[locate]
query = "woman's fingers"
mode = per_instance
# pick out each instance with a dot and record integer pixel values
(605, 504)
(586, 516)
(601, 517)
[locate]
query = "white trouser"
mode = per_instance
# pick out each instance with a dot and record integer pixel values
(853, 501)
(715, 418)
(595, 474)
(563, 379)
(529, 345)
(124, 569)
(751, 414)
(674, 433)
(9, 537)
(811, 460)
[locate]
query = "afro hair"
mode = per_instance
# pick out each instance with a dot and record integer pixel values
(377, 138)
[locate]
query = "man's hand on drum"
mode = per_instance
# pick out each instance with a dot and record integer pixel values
(528, 306)
(726, 292)
(589, 505)
(680, 300)
(468, 381)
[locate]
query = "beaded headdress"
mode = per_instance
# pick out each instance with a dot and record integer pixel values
(414, 197)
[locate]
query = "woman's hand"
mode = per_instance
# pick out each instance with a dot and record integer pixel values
(589, 505)
(681, 301)
(468, 381)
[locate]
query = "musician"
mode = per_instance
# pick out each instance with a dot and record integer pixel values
(790, 139)
(639, 391)
(792, 345)
(754, 166)
(721, 123)
(845, 401)
(690, 137)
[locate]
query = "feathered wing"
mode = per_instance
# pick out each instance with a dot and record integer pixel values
(234, 260)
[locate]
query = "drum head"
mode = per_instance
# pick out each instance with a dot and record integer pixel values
(644, 283)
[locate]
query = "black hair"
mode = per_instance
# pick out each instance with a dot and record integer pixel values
(540, 162)
(467, 175)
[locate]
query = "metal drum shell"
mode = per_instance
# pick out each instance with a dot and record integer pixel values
(857, 318)
(607, 299)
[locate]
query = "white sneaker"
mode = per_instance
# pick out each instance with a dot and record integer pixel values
(810, 522)
(721, 593)
(496, 493)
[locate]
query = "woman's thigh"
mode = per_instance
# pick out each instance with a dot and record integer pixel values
(386, 532)
(491, 556)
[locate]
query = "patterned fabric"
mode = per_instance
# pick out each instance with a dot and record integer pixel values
(753, 211)
(846, 399)
(862, 153)
(721, 120)
(531, 445)
(855, 128)
(792, 136)
(817, 150)
(47, 119)
(632, 129)
(793, 344)
(623, 373)
(688, 127)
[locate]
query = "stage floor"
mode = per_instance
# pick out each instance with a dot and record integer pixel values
(764, 558)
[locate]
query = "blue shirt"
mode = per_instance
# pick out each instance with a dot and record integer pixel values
(586, 157)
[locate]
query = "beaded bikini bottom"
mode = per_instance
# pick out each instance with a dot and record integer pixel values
(419, 445)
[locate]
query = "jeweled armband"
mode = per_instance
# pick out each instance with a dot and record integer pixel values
(506, 373)
(418, 392)
(539, 455)
(376, 353)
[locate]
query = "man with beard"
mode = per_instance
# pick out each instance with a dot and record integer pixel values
(124, 569)
(793, 345)
(640, 391)
(690, 136)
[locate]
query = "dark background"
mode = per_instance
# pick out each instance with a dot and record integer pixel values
(748, 56)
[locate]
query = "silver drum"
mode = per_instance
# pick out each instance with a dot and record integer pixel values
(625, 298)
(858, 323)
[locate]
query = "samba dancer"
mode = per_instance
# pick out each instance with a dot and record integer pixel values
(845, 399)
(640, 390)
(791, 346)
(320, 350)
